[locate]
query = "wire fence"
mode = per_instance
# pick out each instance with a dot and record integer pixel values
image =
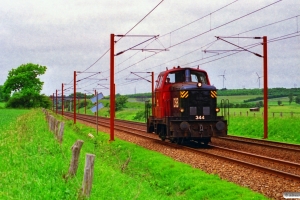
(270, 114)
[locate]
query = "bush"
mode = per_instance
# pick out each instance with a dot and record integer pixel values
(240, 105)
(297, 100)
(140, 115)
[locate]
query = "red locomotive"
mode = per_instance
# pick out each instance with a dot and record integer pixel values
(185, 107)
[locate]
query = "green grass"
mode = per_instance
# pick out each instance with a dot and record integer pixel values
(282, 129)
(33, 166)
(2, 105)
(7, 115)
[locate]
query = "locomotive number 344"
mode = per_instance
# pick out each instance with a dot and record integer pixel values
(199, 117)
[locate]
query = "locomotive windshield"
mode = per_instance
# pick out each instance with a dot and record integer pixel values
(180, 76)
(187, 76)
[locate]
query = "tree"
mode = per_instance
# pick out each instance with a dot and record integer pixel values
(81, 95)
(3, 96)
(259, 104)
(291, 97)
(297, 100)
(119, 103)
(140, 115)
(24, 86)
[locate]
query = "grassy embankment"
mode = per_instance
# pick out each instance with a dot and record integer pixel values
(33, 166)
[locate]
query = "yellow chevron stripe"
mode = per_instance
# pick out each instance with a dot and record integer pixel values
(184, 94)
(213, 94)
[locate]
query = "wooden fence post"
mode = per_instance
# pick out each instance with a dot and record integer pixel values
(75, 157)
(47, 117)
(88, 174)
(56, 125)
(51, 123)
(61, 132)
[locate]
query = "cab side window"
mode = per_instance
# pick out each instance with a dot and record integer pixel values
(172, 77)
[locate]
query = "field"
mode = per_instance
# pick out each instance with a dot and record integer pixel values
(2, 105)
(283, 120)
(241, 98)
(282, 125)
(7, 115)
(34, 165)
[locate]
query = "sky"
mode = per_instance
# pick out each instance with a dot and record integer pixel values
(74, 35)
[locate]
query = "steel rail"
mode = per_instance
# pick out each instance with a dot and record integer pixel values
(251, 141)
(129, 130)
(267, 143)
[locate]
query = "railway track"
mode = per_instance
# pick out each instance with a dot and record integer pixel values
(284, 146)
(286, 168)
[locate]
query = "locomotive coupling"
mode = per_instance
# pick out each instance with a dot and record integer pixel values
(184, 126)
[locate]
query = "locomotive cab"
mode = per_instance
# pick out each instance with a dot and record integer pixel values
(186, 107)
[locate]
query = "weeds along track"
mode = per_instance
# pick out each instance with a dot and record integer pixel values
(249, 165)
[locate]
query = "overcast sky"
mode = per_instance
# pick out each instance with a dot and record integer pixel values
(71, 35)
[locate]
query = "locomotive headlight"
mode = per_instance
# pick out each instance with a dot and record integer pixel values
(217, 110)
(181, 110)
(199, 84)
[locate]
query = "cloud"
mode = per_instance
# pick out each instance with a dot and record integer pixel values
(71, 35)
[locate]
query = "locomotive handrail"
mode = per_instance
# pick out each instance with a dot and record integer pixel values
(225, 109)
(147, 109)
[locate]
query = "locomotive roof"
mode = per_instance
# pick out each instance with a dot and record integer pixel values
(175, 69)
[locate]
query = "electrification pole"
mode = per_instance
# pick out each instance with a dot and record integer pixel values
(74, 101)
(265, 86)
(56, 102)
(112, 86)
(62, 99)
